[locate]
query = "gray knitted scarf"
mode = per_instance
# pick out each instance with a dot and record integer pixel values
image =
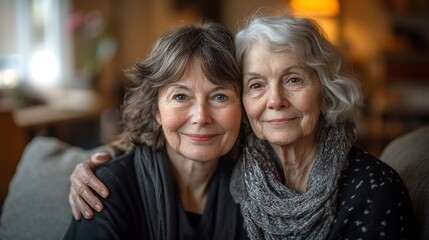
(273, 211)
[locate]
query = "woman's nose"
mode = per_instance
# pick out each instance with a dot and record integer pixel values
(202, 115)
(277, 99)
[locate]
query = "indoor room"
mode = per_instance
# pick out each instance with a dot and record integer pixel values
(62, 76)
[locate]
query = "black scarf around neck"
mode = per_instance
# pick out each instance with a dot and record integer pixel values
(165, 215)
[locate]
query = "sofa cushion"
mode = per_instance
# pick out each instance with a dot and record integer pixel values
(409, 156)
(36, 206)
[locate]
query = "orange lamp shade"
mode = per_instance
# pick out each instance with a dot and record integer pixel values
(320, 8)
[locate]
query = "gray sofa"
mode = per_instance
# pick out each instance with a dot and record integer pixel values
(37, 207)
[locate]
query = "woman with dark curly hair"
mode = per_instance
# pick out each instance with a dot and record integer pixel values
(181, 119)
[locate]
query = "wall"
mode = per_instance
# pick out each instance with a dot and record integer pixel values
(8, 45)
(366, 28)
(234, 12)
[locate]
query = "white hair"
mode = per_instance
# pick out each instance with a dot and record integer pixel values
(342, 97)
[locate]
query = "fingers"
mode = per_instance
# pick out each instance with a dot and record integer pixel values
(81, 198)
(98, 159)
(82, 179)
(80, 207)
(87, 176)
(76, 213)
(85, 193)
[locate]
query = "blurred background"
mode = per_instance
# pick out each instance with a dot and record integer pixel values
(61, 62)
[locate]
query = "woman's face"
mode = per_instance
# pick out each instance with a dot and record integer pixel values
(199, 119)
(281, 97)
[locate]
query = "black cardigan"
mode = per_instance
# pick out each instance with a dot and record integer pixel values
(373, 202)
(123, 216)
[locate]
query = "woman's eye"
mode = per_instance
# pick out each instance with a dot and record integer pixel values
(220, 97)
(179, 97)
(294, 80)
(255, 86)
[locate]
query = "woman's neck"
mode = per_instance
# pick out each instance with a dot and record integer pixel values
(297, 162)
(193, 178)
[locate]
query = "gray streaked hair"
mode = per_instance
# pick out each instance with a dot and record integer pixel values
(342, 97)
(209, 43)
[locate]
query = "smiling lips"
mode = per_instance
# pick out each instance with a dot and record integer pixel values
(280, 121)
(201, 137)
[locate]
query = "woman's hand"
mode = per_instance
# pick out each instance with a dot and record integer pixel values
(81, 197)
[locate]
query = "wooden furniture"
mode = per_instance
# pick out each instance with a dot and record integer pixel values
(12, 142)
(18, 127)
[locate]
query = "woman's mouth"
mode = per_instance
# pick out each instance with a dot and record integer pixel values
(201, 137)
(280, 121)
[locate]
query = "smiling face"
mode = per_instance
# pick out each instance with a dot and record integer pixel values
(281, 97)
(200, 120)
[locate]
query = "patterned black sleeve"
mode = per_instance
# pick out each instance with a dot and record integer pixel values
(373, 202)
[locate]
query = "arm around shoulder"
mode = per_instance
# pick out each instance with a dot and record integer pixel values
(121, 212)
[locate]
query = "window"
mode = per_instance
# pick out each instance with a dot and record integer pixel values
(35, 47)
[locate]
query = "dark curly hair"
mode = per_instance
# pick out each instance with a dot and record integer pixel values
(209, 43)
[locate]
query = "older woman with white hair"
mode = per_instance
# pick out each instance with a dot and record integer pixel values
(299, 176)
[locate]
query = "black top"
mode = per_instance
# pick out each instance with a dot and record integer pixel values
(124, 216)
(373, 202)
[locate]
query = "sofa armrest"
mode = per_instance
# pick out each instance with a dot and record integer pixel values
(409, 156)
(36, 206)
